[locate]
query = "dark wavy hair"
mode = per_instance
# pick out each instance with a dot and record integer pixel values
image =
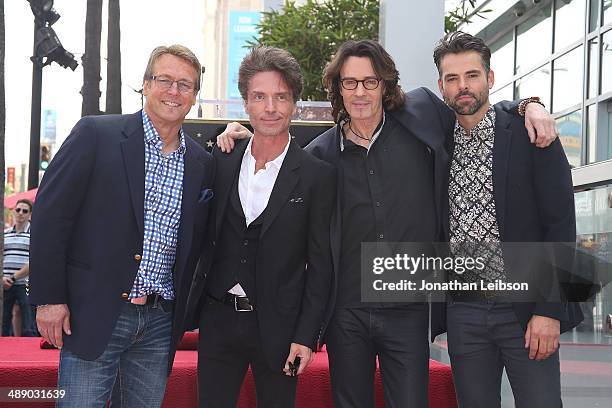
(458, 42)
(393, 96)
(266, 59)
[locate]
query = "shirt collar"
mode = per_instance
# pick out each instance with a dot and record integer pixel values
(26, 229)
(276, 163)
(485, 123)
(152, 136)
(374, 136)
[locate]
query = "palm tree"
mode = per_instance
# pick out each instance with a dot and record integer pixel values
(91, 59)
(113, 65)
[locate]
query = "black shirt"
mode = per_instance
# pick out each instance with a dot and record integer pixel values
(387, 194)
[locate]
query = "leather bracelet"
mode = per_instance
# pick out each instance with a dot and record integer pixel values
(523, 104)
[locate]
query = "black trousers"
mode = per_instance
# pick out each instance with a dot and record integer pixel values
(398, 336)
(483, 338)
(229, 342)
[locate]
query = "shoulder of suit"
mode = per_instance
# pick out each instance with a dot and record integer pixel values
(323, 141)
(311, 161)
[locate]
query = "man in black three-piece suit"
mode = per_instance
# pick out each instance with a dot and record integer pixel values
(120, 216)
(263, 282)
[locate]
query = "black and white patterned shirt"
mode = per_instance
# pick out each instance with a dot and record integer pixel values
(473, 224)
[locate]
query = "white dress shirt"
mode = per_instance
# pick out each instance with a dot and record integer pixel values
(255, 188)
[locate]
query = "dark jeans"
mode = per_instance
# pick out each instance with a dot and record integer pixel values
(230, 342)
(17, 294)
(398, 336)
(134, 365)
(483, 338)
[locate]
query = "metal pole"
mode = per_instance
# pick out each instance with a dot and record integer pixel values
(35, 115)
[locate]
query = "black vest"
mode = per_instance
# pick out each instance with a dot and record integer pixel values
(236, 251)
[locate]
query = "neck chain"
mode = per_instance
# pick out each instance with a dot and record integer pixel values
(369, 139)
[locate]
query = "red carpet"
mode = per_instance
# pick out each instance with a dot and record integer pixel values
(24, 364)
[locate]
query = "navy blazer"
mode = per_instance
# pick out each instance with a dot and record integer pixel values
(534, 202)
(87, 227)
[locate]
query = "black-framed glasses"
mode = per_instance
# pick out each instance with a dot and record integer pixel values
(22, 210)
(369, 83)
(166, 83)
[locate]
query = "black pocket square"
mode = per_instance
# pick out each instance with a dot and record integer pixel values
(205, 195)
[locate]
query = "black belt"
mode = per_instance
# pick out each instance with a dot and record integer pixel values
(240, 303)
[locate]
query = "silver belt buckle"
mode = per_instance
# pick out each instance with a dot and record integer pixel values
(250, 309)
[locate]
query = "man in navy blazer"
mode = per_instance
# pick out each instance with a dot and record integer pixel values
(120, 214)
(501, 189)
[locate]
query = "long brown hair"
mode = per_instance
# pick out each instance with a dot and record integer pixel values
(393, 96)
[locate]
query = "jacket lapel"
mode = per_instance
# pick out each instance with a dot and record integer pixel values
(227, 167)
(132, 149)
(285, 183)
(501, 153)
(192, 181)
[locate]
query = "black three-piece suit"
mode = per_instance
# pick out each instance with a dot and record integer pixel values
(283, 262)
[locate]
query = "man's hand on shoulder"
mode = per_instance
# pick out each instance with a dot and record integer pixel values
(542, 337)
(233, 131)
(540, 125)
(52, 320)
(305, 355)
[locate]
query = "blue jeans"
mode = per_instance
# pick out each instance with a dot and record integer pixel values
(17, 294)
(131, 372)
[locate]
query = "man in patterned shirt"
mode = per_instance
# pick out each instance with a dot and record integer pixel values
(16, 258)
(501, 189)
(119, 220)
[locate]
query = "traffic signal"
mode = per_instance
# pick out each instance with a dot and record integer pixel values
(45, 156)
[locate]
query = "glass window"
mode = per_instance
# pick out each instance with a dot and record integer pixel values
(593, 14)
(591, 135)
(593, 67)
(569, 22)
(533, 42)
(502, 59)
(606, 61)
(502, 94)
(606, 143)
(570, 130)
(567, 86)
(536, 83)
(607, 11)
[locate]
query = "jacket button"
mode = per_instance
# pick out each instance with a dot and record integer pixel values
(138, 257)
(125, 295)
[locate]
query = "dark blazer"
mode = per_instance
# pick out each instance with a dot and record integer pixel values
(534, 202)
(430, 120)
(87, 231)
(293, 263)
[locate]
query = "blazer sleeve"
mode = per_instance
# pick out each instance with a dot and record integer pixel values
(319, 269)
(555, 197)
(58, 201)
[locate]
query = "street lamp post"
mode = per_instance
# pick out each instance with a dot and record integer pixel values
(47, 49)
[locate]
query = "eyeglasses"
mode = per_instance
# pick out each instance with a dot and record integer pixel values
(165, 83)
(368, 83)
(22, 210)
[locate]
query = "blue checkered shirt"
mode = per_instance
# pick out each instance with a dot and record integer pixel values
(162, 214)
